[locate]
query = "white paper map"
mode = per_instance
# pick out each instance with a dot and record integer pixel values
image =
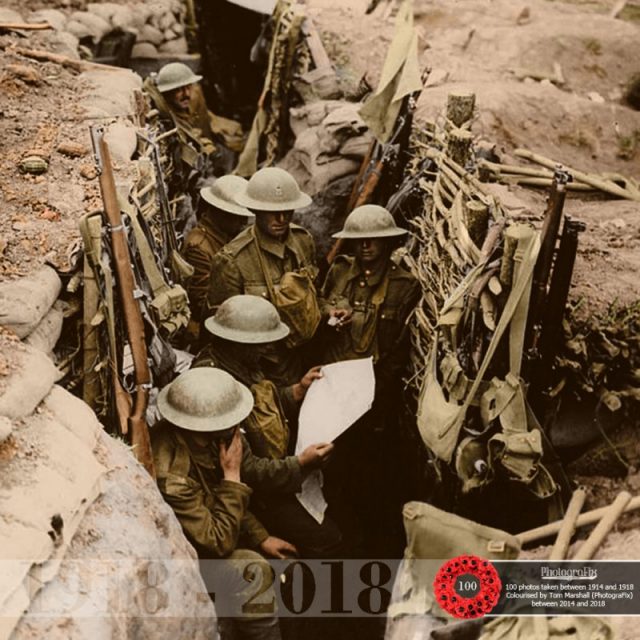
(332, 404)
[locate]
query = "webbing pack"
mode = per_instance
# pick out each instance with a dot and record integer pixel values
(504, 438)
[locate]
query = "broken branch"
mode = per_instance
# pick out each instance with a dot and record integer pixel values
(24, 26)
(65, 61)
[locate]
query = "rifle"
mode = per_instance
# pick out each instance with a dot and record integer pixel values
(551, 335)
(136, 421)
(549, 236)
(181, 270)
(379, 156)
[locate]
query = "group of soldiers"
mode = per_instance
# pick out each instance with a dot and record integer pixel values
(263, 326)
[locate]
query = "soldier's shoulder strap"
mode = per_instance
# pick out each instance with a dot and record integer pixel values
(343, 261)
(239, 243)
(171, 453)
(296, 228)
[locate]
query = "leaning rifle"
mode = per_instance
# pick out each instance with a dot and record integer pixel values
(136, 420)
(379, 157)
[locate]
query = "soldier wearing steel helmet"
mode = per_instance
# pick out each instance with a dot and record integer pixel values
(206, 472)
(367, 297)
(220, 220)
(366, 300)
(176, 93)
(273, 259)
(242, 326)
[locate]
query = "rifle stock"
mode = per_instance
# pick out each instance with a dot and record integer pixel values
(134, 322)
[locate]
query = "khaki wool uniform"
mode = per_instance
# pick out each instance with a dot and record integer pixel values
(368, 463)
(200, 247)
(378, 326)
(214, 512)
(267, 430)
(237, 269)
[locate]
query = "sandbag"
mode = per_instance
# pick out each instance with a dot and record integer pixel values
(433, 534)
(28, 384)
(45, 336)
(24, 302)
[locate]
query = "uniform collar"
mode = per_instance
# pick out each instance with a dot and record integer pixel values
(373, 276)
(276, 247)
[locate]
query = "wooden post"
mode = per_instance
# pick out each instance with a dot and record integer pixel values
(561, 546)
(476, 218)
(459, 146)
(460, 107)
(590, 517)
(610, 517)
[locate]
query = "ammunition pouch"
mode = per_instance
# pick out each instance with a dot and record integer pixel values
(171, 309)
(296, 301)
(267, 428)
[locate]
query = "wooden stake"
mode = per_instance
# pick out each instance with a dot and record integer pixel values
(610, 517)
(561, 546)
(590, 517)
(618, 8)
(603, 185)
(460, 107)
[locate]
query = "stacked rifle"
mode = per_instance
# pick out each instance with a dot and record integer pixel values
(133, 300)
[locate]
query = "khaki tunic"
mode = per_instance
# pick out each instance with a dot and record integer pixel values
(378, 332)
(200, 247)
(214, 512)
(237, 269)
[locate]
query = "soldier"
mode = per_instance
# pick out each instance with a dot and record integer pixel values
(221, 220)
(178, 97)
(205, 469)
(274, 259)
(240, 329)
(366, 300)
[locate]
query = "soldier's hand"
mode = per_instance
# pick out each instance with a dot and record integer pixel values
(231, 457)
(340, 318)
(277, 548)
(315, 455)
(300, 388)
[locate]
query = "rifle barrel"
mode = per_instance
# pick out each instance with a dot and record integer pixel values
(130, 307)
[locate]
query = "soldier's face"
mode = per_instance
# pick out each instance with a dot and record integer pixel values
(230, 223)
(180, 98)
(370, 250)
(274, 223)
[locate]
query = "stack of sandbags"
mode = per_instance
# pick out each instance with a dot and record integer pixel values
(331, 141)
(157, 24)
(29, 308)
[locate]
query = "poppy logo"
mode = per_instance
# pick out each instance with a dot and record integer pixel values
(467, 587)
